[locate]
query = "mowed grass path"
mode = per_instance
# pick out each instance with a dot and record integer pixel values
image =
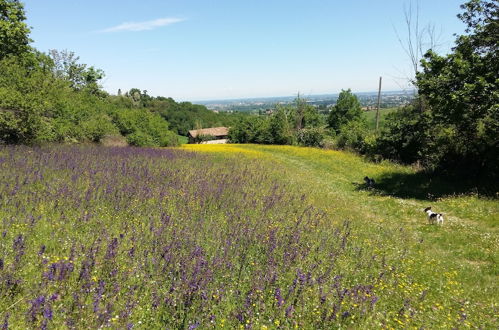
(456, 264)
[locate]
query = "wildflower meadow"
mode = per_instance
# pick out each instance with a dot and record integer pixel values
(142, 238)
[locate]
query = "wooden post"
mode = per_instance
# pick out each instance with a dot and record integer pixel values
(379, 102)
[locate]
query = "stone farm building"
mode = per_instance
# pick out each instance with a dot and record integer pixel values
(216, 135)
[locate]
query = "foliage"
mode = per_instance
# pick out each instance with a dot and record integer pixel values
(311, 137)
(353, 135)
(14, 32)
(346, 109)
(275, 129)
(181, 116)
(246, 130)
(142, 127)
(185, 116)
(457, 128)
(39, 106)
(462, 90)
(54, 98)
(287, 125)
(28, 100)
(304, 115)
(279, 127)
(409, 137)
(80, 77)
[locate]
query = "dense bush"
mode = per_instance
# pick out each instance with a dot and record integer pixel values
(142, 127)
(353, 135)
(296, 124)
(311, 137)
(38, 107)
(454, 125)
(181, 116)
(302, 124)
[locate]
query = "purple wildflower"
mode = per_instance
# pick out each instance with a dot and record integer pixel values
(193, 326)
(42, 250)
(278, 297)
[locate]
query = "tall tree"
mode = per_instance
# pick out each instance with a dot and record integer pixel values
(459, 129)
(279, 127)
(347, 108)
(67, 67)
(14, 33)
(462, 88)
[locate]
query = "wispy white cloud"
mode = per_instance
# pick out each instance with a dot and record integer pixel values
(143, 26)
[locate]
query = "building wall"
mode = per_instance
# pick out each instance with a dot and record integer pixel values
(221, 141)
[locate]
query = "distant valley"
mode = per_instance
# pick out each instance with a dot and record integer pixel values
(368, 100)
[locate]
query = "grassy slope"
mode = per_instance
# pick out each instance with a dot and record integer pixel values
(371, 116)
(456, 264)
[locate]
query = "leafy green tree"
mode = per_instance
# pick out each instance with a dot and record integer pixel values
(26, 102)
(299, 112)
(310, 137)
(142, 127)
(353, 135)
(80, 77)
(347, 108)
(37, 107)
(304, 114)
(243, 131)
(134, 94)
(462, 91)
(14, 33)
(279, 127)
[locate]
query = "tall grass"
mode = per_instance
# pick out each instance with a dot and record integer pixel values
(456, 266)
(154, 238)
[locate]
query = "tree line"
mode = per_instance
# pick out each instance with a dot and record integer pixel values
(52, 97)
(300, 123)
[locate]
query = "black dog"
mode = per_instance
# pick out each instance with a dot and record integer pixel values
(369, 182)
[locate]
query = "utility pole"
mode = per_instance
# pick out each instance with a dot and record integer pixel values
(379, 102)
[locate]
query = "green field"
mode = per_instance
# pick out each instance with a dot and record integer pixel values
(454, 266)
(371, 116)
(238, 236)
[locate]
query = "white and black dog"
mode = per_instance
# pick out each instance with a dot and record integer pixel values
(434, 217)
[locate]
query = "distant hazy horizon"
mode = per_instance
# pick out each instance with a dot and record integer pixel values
(201, 50)
(407, 91)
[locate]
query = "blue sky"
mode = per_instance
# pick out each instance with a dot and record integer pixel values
(202, 50)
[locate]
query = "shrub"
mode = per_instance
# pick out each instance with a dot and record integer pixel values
(310, 137)
(347, 109)
(140, 139)
(143, 128)
(412, 136)
(95, 128)
(352, 135)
